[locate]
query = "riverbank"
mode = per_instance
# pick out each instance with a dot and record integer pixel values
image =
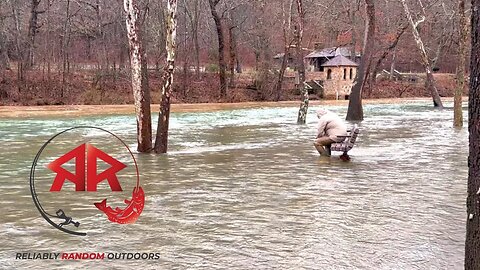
(85, 110)
(91, 88)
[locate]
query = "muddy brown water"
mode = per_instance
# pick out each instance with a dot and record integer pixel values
(245, 189)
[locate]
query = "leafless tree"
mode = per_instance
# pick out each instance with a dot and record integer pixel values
(302, 113)
(221, 45)
(287, 44)
(385, 52)
(194, 19)
(430, 82)
(32, 33)
(141, 91)
(472, 241)
(232, 47)
(462, 53)
(355, 108)
(84, 41)
(4, 59)
(161, 142)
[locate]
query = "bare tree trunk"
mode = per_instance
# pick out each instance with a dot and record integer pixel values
(392, 46)
(4, 60)
(392, 65)
(287, 28)
(355, 108)
(262, 54)
(32, 32)
(221, 47)
(463, 30)
(18, 47)
(194, 22)
(232, 51)
(281, 74)
(302, 112)
(161, 142)
(263, 72)
(65, 48)
(430, 83)
(197, 55)
(186, 54)
(141, 91)
(472, 241)
(238, 66)
(195, 38)
(104, 63)
(352, 15)
(438, 55)
(48, 48)
(443, 39)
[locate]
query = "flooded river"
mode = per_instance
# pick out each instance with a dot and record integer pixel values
(245, 189)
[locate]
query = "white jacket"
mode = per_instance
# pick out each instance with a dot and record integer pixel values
(332, 125)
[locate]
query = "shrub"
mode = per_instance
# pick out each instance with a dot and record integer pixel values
(212, 68)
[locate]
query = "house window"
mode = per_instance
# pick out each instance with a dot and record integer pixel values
(351, 74)
(329, 74)
(344, 73)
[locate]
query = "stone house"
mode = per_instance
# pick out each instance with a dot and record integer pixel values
(330, 72)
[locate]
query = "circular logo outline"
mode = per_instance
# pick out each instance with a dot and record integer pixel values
(60, 214)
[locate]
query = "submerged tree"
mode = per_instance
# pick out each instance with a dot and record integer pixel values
(355, 108)
(430, 83)
(141, 92)
(462, 51)
(161, 141)
(302, 112)
(472, 241)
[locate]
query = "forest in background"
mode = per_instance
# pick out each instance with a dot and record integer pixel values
(77, 51)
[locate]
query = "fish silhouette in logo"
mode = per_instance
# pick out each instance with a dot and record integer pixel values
(128, 215)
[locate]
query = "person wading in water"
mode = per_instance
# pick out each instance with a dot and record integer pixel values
(330, 126)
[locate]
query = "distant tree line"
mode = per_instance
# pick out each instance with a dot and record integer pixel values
(62, 36)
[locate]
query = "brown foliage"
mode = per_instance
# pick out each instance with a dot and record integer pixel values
(85, 88)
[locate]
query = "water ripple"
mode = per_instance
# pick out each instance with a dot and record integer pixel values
(246, 189)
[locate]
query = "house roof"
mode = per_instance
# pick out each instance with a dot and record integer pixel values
(290, 54)
(340, 60)
(330, 52)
